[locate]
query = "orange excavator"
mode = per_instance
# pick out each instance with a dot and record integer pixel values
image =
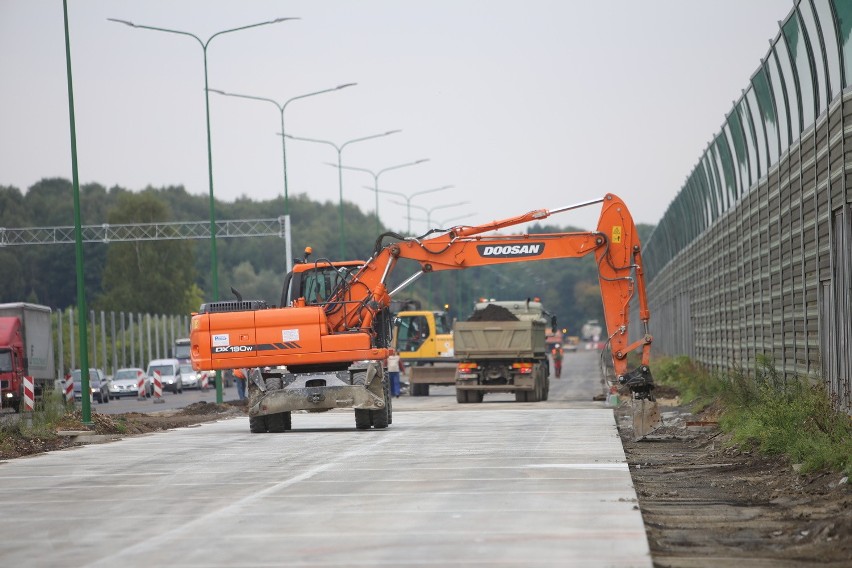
(323, 348)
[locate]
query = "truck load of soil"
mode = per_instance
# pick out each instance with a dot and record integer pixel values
(493, 312)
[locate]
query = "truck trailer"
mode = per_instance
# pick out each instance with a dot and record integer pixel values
(26, 350)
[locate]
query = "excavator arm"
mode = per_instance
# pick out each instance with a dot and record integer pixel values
(615, 245)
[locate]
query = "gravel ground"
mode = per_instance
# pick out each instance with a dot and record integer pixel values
(706, 502)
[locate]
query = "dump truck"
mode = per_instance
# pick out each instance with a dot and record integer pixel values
(325, 344)
(26, 350)
(502, 348)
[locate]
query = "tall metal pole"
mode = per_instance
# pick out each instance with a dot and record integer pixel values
(429, 211)
(281, 109)
(408, 198)
(339, 150)
(376, 176)
(78, 238)
(214, 264)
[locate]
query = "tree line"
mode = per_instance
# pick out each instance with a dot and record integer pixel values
(174, 277)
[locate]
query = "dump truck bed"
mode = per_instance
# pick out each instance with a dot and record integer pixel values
(494, 340)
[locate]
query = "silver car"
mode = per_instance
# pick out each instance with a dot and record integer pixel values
(98, 385)
(125, 382)
(191, 379)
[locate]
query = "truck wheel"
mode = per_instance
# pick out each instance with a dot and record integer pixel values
(475, 396)
(521, 396)
(418, 389)
(461, 396)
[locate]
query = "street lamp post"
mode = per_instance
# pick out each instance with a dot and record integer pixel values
(281, 108)
(408, 198)
(376, 179)
(339, 149)
(429, 211)
(214, 268)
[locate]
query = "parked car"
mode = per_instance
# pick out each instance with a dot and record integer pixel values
(170, 375)
(125, 382)
(98, 384)
(191, 378)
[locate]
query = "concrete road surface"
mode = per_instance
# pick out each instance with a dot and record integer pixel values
(503, 485)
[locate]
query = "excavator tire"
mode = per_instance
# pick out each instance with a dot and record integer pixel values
(362, 419)
(381, 418)
(257, 424)
(280, 422)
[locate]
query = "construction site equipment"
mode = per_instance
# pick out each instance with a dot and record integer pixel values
(424, 341)
(502, 348)
(333, 330)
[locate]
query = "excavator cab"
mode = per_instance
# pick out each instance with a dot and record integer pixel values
(317, 281)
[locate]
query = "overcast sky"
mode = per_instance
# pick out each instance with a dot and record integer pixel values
(519, 105)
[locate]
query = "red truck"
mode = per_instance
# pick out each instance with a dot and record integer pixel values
(26, 350)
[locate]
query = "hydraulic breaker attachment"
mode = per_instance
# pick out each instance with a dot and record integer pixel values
(646, 415)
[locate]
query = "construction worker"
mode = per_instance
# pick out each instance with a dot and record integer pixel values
(395, 367)
(240, 376)
(557, 353)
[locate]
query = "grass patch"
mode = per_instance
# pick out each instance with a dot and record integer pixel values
(764, 410)
(49, 410)
(697, 387)
(788, 417)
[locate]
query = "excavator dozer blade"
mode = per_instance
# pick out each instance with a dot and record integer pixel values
(646, 417)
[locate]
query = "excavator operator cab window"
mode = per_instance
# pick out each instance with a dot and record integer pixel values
(413, 331)
(320, 284)
(317, 284)
(442, 324)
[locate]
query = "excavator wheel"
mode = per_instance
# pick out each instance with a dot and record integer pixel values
(280, 422)
(257, 424)
(381, 418)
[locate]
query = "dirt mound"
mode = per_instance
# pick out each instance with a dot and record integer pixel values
(493, 312)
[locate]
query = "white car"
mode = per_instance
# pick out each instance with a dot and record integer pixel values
(169, 373)
(125, 382)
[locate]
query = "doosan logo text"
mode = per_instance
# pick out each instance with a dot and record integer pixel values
(510, 251)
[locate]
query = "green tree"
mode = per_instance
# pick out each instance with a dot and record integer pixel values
(148, 276)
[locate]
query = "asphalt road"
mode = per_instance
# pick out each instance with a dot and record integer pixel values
(491, 484)
(171, 401)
